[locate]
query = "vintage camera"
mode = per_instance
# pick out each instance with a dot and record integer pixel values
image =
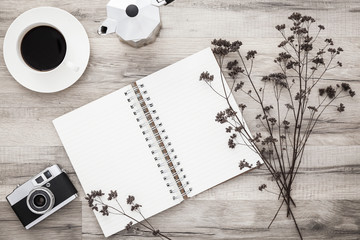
(41, 196)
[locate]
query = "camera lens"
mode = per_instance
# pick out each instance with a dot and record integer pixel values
(40, 200)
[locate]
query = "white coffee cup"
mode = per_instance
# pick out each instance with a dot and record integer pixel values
(43, 47)
(61, 75)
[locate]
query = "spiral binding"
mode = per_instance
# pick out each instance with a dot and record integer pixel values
(158, 141)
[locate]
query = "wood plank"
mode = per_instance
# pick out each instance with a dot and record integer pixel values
(96, 83)
(327, 173)
(62, 225)
(35, 127)
(113, 64)
(210, 18)
(223, 219)
(327, 188)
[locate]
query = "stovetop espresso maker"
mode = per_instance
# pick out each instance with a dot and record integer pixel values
(136, 22)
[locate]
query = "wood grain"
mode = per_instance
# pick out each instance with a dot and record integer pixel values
(224, 219)
(64, 224)
(327, 189)
(322, 165)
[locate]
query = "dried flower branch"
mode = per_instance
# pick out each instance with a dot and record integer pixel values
(286, 127)
(95, 201)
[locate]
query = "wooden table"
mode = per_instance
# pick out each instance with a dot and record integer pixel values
(327, 188)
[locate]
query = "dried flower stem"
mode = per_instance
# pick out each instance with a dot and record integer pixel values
(283, 146)
(95, 200)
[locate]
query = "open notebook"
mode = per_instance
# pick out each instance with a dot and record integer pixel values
(156, 139)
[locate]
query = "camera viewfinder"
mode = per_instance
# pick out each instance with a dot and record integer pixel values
(47, 174)
(39, 179)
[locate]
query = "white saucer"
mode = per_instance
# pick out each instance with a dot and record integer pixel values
(74, 63)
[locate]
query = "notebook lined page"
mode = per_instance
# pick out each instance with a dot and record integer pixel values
(109, 152)
(187, 108)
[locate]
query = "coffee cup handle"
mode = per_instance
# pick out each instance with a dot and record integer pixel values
(72, 66)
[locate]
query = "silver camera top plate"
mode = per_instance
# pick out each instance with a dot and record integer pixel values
(23, 190)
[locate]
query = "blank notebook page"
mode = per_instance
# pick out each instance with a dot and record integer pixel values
(187, 108)
(109, 152)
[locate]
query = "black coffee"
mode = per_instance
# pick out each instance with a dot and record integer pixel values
(43, 48)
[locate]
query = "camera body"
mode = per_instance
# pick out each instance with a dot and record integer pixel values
(41, 196)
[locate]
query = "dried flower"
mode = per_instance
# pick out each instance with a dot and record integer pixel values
(232, 64)
(258, 164)
(318, 61)
(220, 117)
(231, 143)
(224, 47)
(345, 86)
(291, 39)
(228, 129)
(239, 129)
(97, 196)
(280, 27)
(312, 108)
(268, 108)
(129, 226)
(289, 106)
(251, 54)
(330, 92)
(235, 71)
(244, 164)
(307, 19)
(272, 121)
(112, 195)
(283, 44)
(242, 106)
(341, 107)
(221, 43)
(262, 187)
(257, 138)
(283, 57)
(206, 77)
(97, 193)
(105, 210)
(307, 47)
(286, 124)
(268, 140)
(329, 41)
(221, 47)
(230, 112)
(91, 198)
(351, 93)
(306, 66)
(239, 86)
(130, 200)
(135, 207)
(235, 46)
